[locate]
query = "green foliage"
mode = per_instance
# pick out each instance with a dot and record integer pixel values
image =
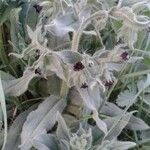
(86, 62)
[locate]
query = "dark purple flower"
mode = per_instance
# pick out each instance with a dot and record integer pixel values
(78, 66)
(109, 83)
(84, 85)
(116, 2)
(124, 56)
(38, 71)
(38, 8)
(37, 52)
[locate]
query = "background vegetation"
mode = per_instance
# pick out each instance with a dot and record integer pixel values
(75, 74)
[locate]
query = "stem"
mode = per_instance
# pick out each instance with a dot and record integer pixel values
(136, 74)
(64, 90)
(119, 3)
(3, 56)
(77, 34)
(125, 110)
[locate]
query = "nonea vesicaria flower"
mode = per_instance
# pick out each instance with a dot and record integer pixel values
(78, 66)
(38, 8)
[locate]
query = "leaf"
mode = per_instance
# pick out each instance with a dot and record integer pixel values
(5, 15)
(6, 76)
(14, 28)
(137, 124)
(13, 139)
(118, 145)
(91, 97)
(111, 109)
(55, 65)
(3, 106)
(34, 34)
(134, 123)
(45, 142)
(144, 83)
(92, 100)
(116, 125)
(100, 123)
(146, 99)
(145, 134)
(130, 2)
(128, 35)
(18, 86)
(1, 117)
(134, 22)
(62, 129)
(82, 139)
(69, 56)
(62, 25)
(50, 86)
(128, 97)
(125, 97)
(115, 145)
(35, 126)
(65, 145)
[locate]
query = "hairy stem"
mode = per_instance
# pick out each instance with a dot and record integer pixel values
(2, 52)
(64, 90)
(77, 34)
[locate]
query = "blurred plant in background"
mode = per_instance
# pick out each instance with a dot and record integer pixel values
(75, 74)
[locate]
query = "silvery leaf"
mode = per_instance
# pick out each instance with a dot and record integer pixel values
(65, 145)
(99, 122)
(139, 6)
(18, 86)
(130, 2)
(116, 145)
(13, 139)
(122, 145)
(114, 67)
(134, 59)
(111, 109)
(34, 34)
(101, 125)
(125, 98)
(144, 83)
(1, 118)
(128, 35)
(91, 97)
(54, 64)
(134, 123)
(82, 139)
(62, 129)
(137, 124)
(146, 99)
(131, 22)
(45, 142)
(145, 134)
(69, 56)
(62, 25)
(35, 126)
(116, 125)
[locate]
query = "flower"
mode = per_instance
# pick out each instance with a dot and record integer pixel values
(78, 66)
(38, 8)
(124, 56)
(84, 85)
(109, 83)
(38, 71)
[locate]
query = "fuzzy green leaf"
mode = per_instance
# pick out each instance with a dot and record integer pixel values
(3, 107)
(35, 126)
(18, 86)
